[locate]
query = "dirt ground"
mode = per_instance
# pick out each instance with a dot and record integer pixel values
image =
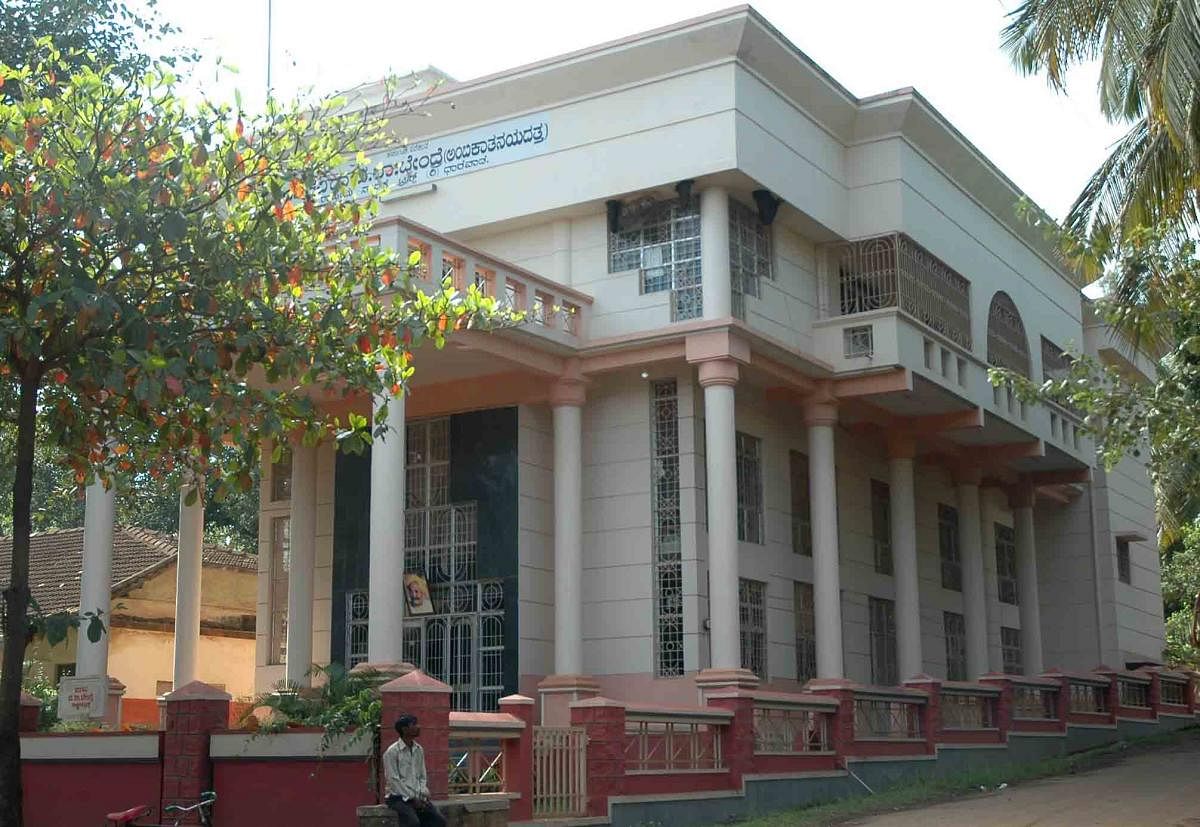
(1159, 787)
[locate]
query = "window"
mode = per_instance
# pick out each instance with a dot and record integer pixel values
(749, 488)
(1010, 648)
(280, 565)
(948, 548)
(357, 620)
(884, 670)
(752, 613)
(955, 628)
(749, 254)
(1124, 570)
(427, 480)
(514, 295)
(63, 670)
(666, 540)
(416, 245)
(881, 525)
(806, 632)
(281, 477)
(485, 280)
(454, 269)
(1006, 565)
(662, 240)
(162, 688)
(801, 504)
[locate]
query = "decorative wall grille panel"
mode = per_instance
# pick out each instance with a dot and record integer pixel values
(672, 745)
(784, 731)
(1087, 697)
(961, 710)
(895, 271)
(476, 766)
(666, 533)
(1035, 703)
(662, 241)
(357, 621)
(1172, 692)
(752, 611)
(1134, 693)
(887, 719)
(559, 772)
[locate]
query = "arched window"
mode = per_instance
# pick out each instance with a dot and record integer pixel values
(1007, 345)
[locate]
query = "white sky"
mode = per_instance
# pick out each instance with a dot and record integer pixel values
(948, 49)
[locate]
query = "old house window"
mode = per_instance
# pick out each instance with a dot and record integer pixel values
(665, 532)
(280, 566)
(806, 632)
(881, 525)
(1010, 649)
(661, 239)
(884, 668)
(752, 614)
(948, 548)
(1006, 565)
(749, 488)
(954, 626)
(749, 254)
(801, 504)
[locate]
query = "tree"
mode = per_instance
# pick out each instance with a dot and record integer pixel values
(174, 280)
(1181, 588)
(1149, 53)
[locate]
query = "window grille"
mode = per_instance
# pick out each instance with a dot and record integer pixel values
(666, 536)
(885, 719)
(357, 616)
(801, 504)
(1010, 648)
(881, 525)
(806, 631)
(858, 341)
(948, 548)
(1006, 565)
(752, 600)
(662, 240)
(280, 567)
(1086, 697)
(1035, 703)
(749, 254)
(789, 731)
(454, 269)
(416, 245)
(955, 627)
(1124, 569)
(1172, 693)
(884, 669)
(966, 711)
(427, 478)
(281, 477)
(1056, 364)
(1007, 345)
(749, 488)
(1134, 693)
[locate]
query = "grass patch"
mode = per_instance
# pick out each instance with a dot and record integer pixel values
(920, 792)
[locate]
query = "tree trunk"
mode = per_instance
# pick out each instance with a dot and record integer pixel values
(16, 608)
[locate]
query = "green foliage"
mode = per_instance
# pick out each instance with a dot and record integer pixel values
(346, 705)
(41, 686)
(1181, 587)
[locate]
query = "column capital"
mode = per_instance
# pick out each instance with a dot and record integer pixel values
(719, 372)
(568, 391)
(967, 475)
(820, 407)
(1021, 495)
(901, 446)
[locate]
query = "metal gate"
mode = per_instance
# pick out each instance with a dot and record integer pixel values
(559, 772)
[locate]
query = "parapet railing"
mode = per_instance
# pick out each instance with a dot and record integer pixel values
(674, 740)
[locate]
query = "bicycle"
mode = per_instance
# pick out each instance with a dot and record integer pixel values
(129, 818)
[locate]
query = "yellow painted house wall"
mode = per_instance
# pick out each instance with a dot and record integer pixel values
(141, 657)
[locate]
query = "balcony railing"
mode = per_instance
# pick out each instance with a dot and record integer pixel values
(895, 271)
(553, 311)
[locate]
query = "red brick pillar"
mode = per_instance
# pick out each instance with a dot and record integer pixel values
(429, 700)
(31, 711)
(931, 715)
(193, 712)
(1155, 690)
(737, 738)
(842, 734)
(518, 757)
(1064, 692)
(1114, 689)
(604, 721)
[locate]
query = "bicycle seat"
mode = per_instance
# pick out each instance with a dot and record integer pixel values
(127, 816)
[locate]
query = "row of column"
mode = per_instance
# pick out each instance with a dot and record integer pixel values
(718, 379)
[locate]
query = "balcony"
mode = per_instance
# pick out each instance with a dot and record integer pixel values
(894, 271)
(555, 314)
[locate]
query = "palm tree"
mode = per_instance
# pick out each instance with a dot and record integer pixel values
(1149, 53)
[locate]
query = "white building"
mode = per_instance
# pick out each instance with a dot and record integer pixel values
(758, 436)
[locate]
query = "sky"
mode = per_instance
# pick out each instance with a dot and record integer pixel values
(1046, 142)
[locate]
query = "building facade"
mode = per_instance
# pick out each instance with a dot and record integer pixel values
(747, 434)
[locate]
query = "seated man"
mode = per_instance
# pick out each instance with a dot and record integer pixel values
(407, 786)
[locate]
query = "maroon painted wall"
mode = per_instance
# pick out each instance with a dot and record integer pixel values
(67, 794)
(252, 793)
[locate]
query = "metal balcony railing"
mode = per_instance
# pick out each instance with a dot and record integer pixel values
(895, 271)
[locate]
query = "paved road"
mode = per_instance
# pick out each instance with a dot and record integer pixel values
(1159, 787)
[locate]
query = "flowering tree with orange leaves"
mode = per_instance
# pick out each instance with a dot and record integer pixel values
(171, 290)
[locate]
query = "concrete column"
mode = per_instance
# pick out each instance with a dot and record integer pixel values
(567, 400)
(716, 286)
(820, 415)
(974, 590)
(188, 570)
(385, 634)
(718, 379)
(95, 583)
(303, 551)
(904, 556)
(1021, 500)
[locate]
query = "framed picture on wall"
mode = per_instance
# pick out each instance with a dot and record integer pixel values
(416, 595)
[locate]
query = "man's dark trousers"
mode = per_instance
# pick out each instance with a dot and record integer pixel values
(415, 816)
